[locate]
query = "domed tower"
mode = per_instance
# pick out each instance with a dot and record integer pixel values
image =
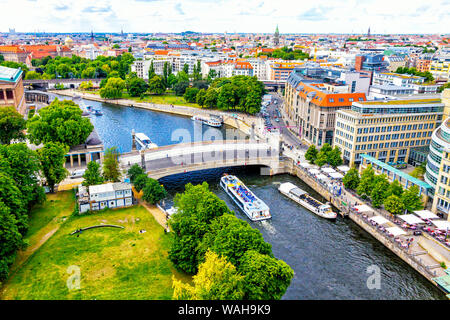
(68, 42)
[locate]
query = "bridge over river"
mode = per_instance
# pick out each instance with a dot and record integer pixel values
(187, 157)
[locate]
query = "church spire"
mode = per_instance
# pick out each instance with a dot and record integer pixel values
(276, 38)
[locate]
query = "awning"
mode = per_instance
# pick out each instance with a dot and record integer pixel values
(328, 170)
(363, 208)
(379, 219)
(442, 224)
(336, 175)
(426, 214)
(322, 177)
(314, 171)
(343, 168)
(410, 218)
(395, 231)
(305, 165)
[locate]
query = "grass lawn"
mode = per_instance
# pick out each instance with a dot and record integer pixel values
(167, 98)
(114, 263)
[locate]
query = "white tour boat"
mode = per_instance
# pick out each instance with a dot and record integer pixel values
(210, 122)
(253, 207)
(300, 196)
(144, 142)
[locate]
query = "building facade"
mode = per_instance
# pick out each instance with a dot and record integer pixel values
(312, 108)
(11, 89)
(386, 130)
(109, 195)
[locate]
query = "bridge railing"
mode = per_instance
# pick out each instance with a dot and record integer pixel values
(265, 161)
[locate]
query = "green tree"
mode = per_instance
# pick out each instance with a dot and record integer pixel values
(351, 179)
(394, 204)
(182, 77)
(12, 125)
(366, 183)
(137, 87)
(11, 196)
(111, 170)
(311, 153)
(134, 171)
(10, 240)
(86, 85)
(226, 99)
(197, 206)
(186, 68)
(153, 191)
(266, 278)
(321, 159)
(31, 75)
(190, 94)
(23, 165)
(61, 121)
(200, 98)
(395, 188)
(180, 87)
(52, 157)
(151, 71)
(92, 176)
(326, 148)
(211, 97)
(140, 181)
(113, 88)
(334, 157)
(156, 85)
(231, 237)
(217, 279)
(378, 193)
(411, 199)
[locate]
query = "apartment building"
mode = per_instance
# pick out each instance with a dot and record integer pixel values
(440, 68)
(312, 108)
(441, 199)
(141, 67)
(423, 65)
(386, 130)
(11, 89)
(281, 70)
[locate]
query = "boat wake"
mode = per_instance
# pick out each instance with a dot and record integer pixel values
(268, 226)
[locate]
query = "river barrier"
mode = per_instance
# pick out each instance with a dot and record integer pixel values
(290, 167)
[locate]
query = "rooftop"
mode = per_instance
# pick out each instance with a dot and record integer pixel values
(9, 74)
(397, 172)
(401, 102)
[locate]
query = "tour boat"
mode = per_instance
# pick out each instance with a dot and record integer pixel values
(300, 196)
(210, 122)
(253, 207)
(97, 112)
(144, 142)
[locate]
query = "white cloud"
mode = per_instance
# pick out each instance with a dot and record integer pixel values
(321, 16)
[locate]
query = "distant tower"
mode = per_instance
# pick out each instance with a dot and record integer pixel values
(368, 33)
(121, 32)
(276, 39)
(92, 36)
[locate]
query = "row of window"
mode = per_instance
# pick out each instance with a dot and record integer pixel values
(395, 136)
(414, 127)
(395, 144)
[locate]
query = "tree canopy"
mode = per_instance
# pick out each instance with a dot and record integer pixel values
(12, 125)
(61, 121)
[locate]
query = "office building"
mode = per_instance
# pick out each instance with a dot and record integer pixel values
(386, 130)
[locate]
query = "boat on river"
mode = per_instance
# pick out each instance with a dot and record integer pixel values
(302, 197)
(144, 142)
(212, 122)
(251, 205)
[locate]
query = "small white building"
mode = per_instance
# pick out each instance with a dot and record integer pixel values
(108, 195)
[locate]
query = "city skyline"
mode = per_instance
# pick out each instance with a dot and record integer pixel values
(255, 16)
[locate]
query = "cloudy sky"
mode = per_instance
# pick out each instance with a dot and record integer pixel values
(292, 16)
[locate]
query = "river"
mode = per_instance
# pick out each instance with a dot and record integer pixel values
(330, 259)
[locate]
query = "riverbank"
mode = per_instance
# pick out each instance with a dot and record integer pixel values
(241, 122)
(422, 258)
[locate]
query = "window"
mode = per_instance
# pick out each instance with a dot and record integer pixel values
(330, 100)
(341, 99)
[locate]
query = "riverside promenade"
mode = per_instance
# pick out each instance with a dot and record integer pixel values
(423, 254)
(241, 121)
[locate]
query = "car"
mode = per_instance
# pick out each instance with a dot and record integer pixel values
(77, 174)
(417, 233)
(277, 120)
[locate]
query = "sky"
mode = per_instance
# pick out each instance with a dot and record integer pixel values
(242, 16)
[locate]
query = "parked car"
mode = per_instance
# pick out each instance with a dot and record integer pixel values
(77, 173)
